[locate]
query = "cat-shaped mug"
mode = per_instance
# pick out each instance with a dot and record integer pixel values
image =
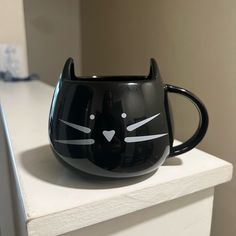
(116, 126)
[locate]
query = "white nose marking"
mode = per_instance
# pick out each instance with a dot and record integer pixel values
(109, 134)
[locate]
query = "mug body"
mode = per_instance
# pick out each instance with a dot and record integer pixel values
(110, 126)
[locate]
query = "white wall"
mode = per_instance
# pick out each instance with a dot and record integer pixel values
(53, 35)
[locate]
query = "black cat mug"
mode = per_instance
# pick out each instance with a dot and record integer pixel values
(116, 126)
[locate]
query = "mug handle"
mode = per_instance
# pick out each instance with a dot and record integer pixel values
(202, 125)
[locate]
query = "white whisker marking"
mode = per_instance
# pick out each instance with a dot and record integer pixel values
(77, 142)
(143, 138)
(77, 127)
(140, 123)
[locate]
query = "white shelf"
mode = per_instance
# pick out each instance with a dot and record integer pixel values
(57, 201)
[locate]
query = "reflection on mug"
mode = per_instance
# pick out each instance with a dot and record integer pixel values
(108, 133)
(142, 150)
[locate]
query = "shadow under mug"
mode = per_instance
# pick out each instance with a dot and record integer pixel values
(117, 126)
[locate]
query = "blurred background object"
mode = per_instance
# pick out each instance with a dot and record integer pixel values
(13, 55)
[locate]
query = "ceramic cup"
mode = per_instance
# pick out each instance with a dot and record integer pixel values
(116, 126)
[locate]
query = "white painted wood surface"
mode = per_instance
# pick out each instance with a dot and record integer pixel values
(6, 208)
(185, 216)
(57, 201)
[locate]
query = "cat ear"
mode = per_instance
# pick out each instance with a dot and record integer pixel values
(68, 71)
(154, 70)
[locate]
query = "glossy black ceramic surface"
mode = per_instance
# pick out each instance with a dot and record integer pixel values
(116, 126)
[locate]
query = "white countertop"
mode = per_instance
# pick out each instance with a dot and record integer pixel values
(57, 201)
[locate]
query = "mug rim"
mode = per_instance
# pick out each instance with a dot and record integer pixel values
(68, 74)
(110, 78)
